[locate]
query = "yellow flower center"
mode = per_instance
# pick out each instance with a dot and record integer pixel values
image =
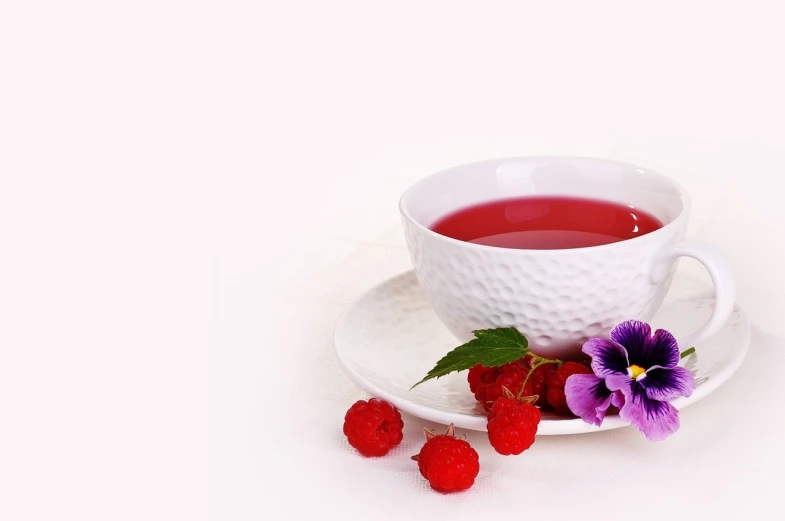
(636, 372)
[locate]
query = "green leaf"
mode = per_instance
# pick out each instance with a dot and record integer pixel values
(491, 348)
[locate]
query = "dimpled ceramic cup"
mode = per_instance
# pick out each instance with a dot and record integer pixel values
(557, 298)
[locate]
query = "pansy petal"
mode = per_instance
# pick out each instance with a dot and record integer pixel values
(633, 335)
(666, 384)
(643, 349)
(662, 349)
(587, 397)
(619, 382)
(607, 357)
(617, 399)
(656, 420)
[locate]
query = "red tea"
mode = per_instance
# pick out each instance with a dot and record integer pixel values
(547, 223)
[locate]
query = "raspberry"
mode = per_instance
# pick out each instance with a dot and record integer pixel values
(535, 385)
(373, 427)
(495, 379)
(448, 463)
(512, 377)
(512, 425)
(487, 383)
(481, 375)
(556, 383)
(487, 394)
(502, 404)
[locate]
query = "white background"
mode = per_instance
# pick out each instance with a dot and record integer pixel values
(192, 192)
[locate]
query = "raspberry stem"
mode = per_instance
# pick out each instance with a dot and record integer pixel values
(687, 352)
(542, 359)
(539, 361)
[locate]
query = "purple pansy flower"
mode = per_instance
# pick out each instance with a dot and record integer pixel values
(636, 372)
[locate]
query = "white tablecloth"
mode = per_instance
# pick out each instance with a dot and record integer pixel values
(282, 402)
(576, 88)
(193, 192)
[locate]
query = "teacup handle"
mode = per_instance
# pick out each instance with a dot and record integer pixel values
(718, 266)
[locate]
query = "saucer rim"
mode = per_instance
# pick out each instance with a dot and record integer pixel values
(547, 427)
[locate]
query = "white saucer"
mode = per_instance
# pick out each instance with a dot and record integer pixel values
(390, 338)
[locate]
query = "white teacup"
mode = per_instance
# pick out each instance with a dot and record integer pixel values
(557, 298)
